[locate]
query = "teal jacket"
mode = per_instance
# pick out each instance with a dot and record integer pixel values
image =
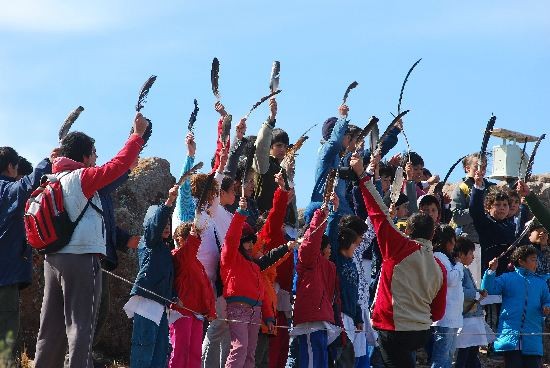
(524, 294)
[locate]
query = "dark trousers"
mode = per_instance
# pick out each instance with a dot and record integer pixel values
(515, 359)
(398, 347)
(341, 353)
(9, 323)
(468, 357)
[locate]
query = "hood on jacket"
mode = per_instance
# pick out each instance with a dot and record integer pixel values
(61, 164)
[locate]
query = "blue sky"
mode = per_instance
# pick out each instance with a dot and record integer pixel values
(478, 58)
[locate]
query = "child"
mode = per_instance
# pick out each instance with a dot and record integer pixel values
(460, 207)
(473, 332)
(196, 295)
(525, 299)
(345, 234)
(429, 205)
(444, 330)
(315, 293)
(490, 214)
(156, 273)
(243, 288)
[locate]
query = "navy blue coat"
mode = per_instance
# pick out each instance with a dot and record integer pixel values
(156, 270)
(15, 254)
(116, 238)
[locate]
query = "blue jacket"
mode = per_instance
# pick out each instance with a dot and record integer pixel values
(116, 238)
(524, 294)
(494, 236)
(348, 277)
(156, 270)
(15, 254)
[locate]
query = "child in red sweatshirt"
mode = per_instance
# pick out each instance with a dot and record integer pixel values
(195, 294)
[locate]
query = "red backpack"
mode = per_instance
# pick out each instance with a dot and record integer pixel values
(47, 222)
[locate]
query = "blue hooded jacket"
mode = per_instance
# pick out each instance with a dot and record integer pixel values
(156, 270)
(524, 294)
(15, 254)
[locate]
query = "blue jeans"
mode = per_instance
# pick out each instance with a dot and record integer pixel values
(443, 346)
(149, 343)
(314, 349)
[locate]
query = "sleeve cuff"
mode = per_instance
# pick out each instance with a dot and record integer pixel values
(478, 295)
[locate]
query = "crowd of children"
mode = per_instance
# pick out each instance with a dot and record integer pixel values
(228, 277)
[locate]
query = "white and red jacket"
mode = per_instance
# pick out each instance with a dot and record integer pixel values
(80, 184)
(412, 288)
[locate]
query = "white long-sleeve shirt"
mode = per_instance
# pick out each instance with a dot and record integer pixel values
(454, 303)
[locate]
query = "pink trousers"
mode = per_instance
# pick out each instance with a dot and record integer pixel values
(244, 336)
(186, 340)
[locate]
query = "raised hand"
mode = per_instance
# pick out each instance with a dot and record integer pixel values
(140, 124)
(493, 264)
(343, 110)
(280, 180)
(356, 163)
(523, 188)
(272, 108)
(243, 204)
(240, 129)
(220, 109)
(172, 195)
(191, 144)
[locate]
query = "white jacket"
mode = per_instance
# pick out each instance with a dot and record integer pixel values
(455, 295)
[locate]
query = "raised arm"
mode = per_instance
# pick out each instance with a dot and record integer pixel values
(232, 239)
(310, 250)
(272, 257)
(539, 210)
(155, 224)
(272, 228)
(23, 188)
(437, 306)
(95, 178)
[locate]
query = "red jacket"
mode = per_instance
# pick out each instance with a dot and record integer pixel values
(242, 281)
(219, 146)
(412, 287)
(315, 290)
(270, 237)
(191, 282)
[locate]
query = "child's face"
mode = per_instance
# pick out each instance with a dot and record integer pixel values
(450, 245)
(326, 252)
(431, 210)
(472, 168)
(166, 231)
(402, 211)
(249, 186)
(248, 245)
(499, 210)
(386, 183)
(227, 197)
(418, 173)
(514, 207)
(278, 150)
(529, 263)
(467, 259)
(539, 236)
(348, 253)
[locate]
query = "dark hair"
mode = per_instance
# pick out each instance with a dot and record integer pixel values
(387, 171)
(428, 199)
(325, 242)
(416, 159)
(513, 194)
(426, 172)
(8, 156)
(354, 223)
(227, 183)
(443, 235)
(493, 195)
(279, 136)
(420, 225)
(76, 145)
(353, 130)
(24, 167)
(521, 253)
(463, 245)
(346, 237)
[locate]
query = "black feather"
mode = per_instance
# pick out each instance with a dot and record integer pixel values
(69, 121)
(214, 76)
(374, 137)
(439, 186)
(142, 98)
(350, 87)
(373, 121)
(193, 117)
(391, 125)
(522, 158)
(486, 136)
(226, 128)
(190, 172)
(529, 170)
(262, 100)
(403, 85)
